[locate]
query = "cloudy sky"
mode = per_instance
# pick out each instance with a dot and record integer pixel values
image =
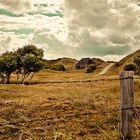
(109, 29)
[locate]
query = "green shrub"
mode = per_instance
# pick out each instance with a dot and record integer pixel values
(91, 68)
(58, 67)
(137, 63)
(130, 67)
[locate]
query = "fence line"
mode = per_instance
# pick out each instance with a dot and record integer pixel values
(79, 81)
(44, 119)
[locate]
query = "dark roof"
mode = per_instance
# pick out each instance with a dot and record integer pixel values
(85, 61)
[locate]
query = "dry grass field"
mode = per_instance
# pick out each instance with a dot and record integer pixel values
(66, 111)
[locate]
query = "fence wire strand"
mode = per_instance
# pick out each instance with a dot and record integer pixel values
(82, 81)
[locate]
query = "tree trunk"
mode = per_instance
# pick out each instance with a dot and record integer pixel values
(18, 74)
(31, 77)
(8, 78)
(23, 78)
(3, 79)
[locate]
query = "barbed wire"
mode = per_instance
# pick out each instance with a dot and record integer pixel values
(28, 120)
(81, 81)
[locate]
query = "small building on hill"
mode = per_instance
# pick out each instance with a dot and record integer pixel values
(83, 63)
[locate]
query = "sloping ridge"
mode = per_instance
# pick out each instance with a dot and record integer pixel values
(69, 63)
(119, 66)
(128, 59)
(98, 61)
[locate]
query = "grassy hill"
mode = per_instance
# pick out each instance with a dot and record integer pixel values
(98, 61)
(125, 61)
(128, 59)
(68, 63)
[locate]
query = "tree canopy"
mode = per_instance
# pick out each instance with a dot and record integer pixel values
(8, 65)
(24, 61)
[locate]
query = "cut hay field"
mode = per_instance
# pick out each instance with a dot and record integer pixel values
(66, 111)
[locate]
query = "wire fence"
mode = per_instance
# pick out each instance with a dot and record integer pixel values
(43, 123)
(79, 81)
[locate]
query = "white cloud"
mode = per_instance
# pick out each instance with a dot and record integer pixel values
(96, 28)
(16, 5)
(53, 29)
(10, 43)
(103, 27)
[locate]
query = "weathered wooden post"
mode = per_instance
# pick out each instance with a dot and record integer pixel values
(127, 99)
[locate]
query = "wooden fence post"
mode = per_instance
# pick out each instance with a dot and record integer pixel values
(127, 99)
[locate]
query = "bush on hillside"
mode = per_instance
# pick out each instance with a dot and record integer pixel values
(130, 67)
(137, 62)
(91, 68)
(58, 67)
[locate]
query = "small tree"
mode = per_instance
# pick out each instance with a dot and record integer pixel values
(31, 64)
(29, 60)
(8, 65)
(137, 62)
(91, 68)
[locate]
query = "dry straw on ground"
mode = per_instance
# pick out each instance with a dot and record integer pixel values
(67, 111)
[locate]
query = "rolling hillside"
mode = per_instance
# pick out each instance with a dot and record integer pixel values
(126, 60)
(68, 63)
(98, 61)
